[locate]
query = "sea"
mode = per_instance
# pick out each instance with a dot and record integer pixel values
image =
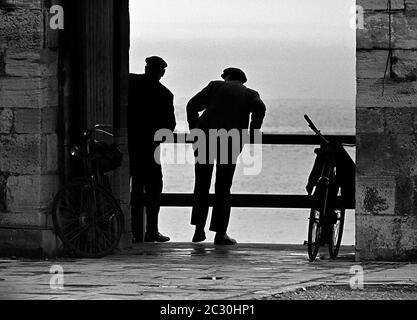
(281, 170)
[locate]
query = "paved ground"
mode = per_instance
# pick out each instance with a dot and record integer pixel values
(198, 272)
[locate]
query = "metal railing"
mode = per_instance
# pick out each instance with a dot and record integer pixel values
(261, 200)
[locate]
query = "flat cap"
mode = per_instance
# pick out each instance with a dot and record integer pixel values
(156, 62)
(235, 74)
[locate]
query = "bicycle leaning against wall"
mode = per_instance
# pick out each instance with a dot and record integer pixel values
(86, 216)
(333, 181)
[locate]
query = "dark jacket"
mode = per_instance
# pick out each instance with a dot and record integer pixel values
(226, 105)
(151, 107)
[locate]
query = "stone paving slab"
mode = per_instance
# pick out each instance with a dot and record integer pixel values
(183, 271)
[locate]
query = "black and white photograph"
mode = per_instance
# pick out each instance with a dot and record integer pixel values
(209, 157)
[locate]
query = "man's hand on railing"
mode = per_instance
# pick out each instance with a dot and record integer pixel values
(309, 189)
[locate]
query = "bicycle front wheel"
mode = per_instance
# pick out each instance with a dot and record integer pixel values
(337, 216)
(87, 219)
(315, 226)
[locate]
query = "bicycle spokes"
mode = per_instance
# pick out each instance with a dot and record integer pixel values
(87, 219)
(314, 234)
(336, 231)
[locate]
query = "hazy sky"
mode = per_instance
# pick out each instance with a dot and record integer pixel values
(288, 48)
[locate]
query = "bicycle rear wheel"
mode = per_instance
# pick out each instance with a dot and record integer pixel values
(337, 216)
(315, 226)
(87, 219)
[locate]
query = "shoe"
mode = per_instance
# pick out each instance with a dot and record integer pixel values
(199, 236)
(156, 237)
(224, 240)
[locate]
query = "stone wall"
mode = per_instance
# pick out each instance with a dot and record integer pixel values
(29, 101)
(39, 91)
(386, 213)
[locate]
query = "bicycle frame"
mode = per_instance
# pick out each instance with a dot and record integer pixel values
(323, 178)
(91, 172)
(326, 179)
(327, 213)
(86, 216)
(83, 151)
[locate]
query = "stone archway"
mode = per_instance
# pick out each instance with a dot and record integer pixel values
(53, 82)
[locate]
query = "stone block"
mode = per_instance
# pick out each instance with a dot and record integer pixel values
(29, 243)
(410, 4)
(49, 187)
(405, 64)
(404, 148)
(380, 4)
(6, 120)
(2, 61)
(50, 97)
(372, 64)
(21, 28)
(23, 193)
(408, 239)
(3, 191)
(376, 195)
(28, 239)
(400, 120)
(375, 34)
(27, 121)
(375, 155)
(370, 120)
(31, 193)
(370, 94)
(49, 154)
(386, 154)
(404, 30)
(15, 4)
(386, 237)
(22, 64)
(404, 196)
(36, 93)
(20, 154)
(39, 63)
(49, 121)
(18, 93)
(24, 219)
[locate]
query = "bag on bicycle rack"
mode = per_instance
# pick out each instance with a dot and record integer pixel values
(345, 173)
(108, 156)
(346, 169)
(315, 172)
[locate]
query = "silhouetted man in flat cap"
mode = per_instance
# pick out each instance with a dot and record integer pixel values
(151, 107)
(227, 105)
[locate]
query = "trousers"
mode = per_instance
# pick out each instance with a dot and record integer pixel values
(146, 189)
(221, 209)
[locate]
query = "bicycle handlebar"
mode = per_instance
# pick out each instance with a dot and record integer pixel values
(105, 132)
(97, 128)
(314, 128)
